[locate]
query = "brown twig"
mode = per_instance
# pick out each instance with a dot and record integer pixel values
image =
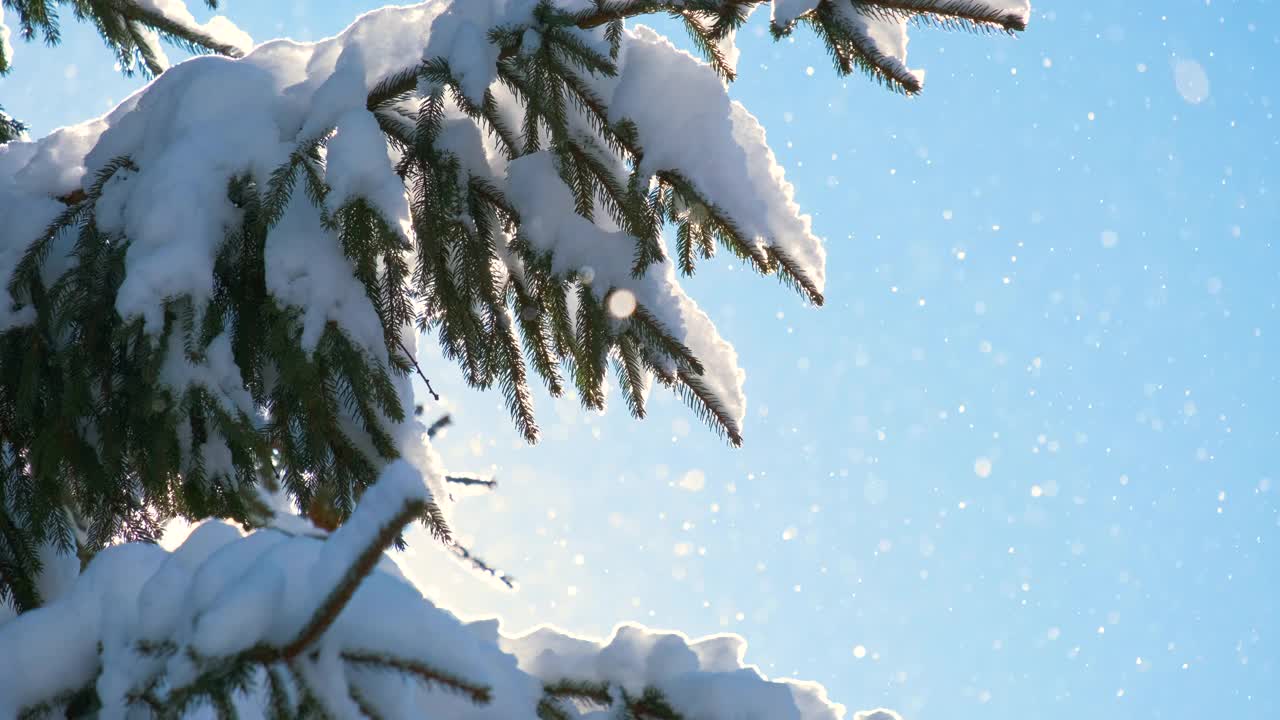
(418, 367)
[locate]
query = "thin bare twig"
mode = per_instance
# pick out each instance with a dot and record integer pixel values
(418, 367)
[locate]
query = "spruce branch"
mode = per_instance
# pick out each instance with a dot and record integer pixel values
(631, 375)
(549, 709)
(19, 563)
(433, 518)
(790, 273)
(471, 482)
(478, 564)
(421, 374)
(336, 599)
(440, 423)
(126, 27)
(651, 705)
(709, 21)
(853, 47)
(708, 406)
(10, 128)
(592, 693)
(186, 37)
(364, 704)
(421, 671)
(950, 14)
(78, 703)
(279, 701)
(218, 679)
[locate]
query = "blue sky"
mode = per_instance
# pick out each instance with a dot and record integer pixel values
(1024, 459)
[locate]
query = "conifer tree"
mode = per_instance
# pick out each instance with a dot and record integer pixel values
(219, 287)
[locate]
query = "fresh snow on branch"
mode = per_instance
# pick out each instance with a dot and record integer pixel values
(209, 120)
(495, 171)
(707, 678)
(218, 27)
(220, 285)
(6, 47)
(149, 629)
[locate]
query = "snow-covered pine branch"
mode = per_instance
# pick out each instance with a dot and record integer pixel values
(132, 29)
(228, 267)
(223, 280)
(290, 622)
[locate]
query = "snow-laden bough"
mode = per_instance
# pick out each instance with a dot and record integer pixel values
(289, 615)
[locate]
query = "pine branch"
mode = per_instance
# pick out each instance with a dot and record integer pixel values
(853, 47)
(708, 407)
(396, 87)
(790, 273)
(441, 423)
(715, 220)
(950, 14)
(592, 693)
(709, 21)
(424, 673)
(124, 26)
(10, 128)
(471, 482)
(421, 374)
(549, 709)
(631, 375)
(613, 10)
(337, 598)
(279, 702)
(19, 563)
(218, 679)
(476, 563)
(71, 704)
(651, 704)
(433, 518)
(188, 38)
(364, 704)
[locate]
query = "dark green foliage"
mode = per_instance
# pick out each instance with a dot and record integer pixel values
(92, 449)
(651, 704)
(556, 695)
(76, 704)
(10, 129)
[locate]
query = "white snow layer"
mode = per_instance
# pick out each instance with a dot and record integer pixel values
(6, 47)
(222, 592)
(1016, 8)
(885, 32)
(786, 12)
(210, 118)
(218, 27)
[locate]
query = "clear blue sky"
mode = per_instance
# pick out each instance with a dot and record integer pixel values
(1057, 268)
